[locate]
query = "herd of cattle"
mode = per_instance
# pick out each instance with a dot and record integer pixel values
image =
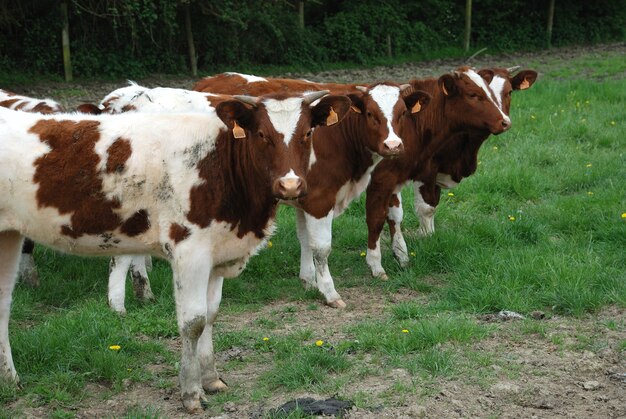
(195, 177)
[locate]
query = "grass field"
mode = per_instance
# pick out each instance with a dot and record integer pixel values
(540, 226)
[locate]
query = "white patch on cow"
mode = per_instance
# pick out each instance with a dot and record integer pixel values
(319, 232)
(374, 260)
(313, 158)
(425, 212)
(284, 115)
(28, 103)
(290, 175)
(160, 99)
(480, 82)
(352, 190)
(249, 77)
(497, 86)
(386, 97)
(444, 180)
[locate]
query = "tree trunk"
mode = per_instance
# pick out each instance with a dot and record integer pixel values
(65, 39)
(193, 62)
(549, 26)
(468, 25)
(301, 14)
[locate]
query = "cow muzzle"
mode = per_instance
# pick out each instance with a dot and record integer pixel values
(290, 188)
(392, 147)
(501, 126)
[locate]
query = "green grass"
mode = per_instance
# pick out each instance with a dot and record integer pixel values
(560, 171)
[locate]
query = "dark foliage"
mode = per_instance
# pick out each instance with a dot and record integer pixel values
(113, 38)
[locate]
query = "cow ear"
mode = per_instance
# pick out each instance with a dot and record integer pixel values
(524, 79)
(486, 74)
(357, 105)
(417, 100)
(330, 110)
(237, 117)
(447, 84)
(88, 108)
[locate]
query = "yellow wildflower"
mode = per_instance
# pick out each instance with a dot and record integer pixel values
(115, 347)
(532, 116)
(588, 165)
(270, 244)
(319, 342)
(413, 254)
(589, 193)
(612, 122)
(265, 339)
(511, 218)
(405, 331)
(362, 254)
(624, 215)
(450, 193)
(495, 147)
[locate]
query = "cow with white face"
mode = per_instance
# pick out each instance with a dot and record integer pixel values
(343, 158)
(197, 189)
(455, 160)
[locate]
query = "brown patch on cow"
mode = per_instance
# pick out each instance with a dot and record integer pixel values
(118, 152)
(178, 232)
(137, 224)
(8, 103)
(68, 178)
(44, 108)
(395, 202)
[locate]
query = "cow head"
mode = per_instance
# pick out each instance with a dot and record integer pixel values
(383, 108)
(502, 83)
(470, 102)
(277, 131)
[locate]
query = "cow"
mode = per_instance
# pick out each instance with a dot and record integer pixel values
(28, 270)
(135, 97)
(342, 161)
(197, 189)
(463, 112)
(458, 159)
(17, 102)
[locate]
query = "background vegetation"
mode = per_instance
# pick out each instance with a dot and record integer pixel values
(130, 38)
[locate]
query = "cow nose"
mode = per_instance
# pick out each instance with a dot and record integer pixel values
(290, 188)
(506, 124)
(393, 145)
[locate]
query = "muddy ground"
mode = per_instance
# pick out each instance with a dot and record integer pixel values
(576, 369)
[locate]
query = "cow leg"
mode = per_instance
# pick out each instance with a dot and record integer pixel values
(307, 267)
(10, 249)
(118, 267)
(425, 212)
(210, 378)
(394, 219)
(320, 240)
(377, 204)
(148, 263)
(191, 268)
(28, 269)
(139, 274)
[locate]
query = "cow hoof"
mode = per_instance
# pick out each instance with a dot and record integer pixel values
(215, 386)
(382, 276)
(336, 304)
(192, 405)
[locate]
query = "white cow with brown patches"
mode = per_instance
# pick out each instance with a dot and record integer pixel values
(123, 184)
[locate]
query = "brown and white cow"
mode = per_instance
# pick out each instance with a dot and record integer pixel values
(197, 189)
(342, 161)
(17, 102)
(454, 161)
(461, 102)
(28, 270)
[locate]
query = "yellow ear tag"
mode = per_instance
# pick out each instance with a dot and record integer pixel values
(238, 132)
(355, 109)
(524, 84)
(332, 117)
(443, 87)
(417, 107)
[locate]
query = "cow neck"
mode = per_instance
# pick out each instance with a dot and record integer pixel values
(354, 133)
(235, 190)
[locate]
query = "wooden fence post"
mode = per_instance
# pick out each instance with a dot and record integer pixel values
(549, 26)
(468, 24)
(65, 39)
(193, 61)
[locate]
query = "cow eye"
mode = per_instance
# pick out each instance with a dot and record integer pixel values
(473, 95)
(265, 138)
(308, 134)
